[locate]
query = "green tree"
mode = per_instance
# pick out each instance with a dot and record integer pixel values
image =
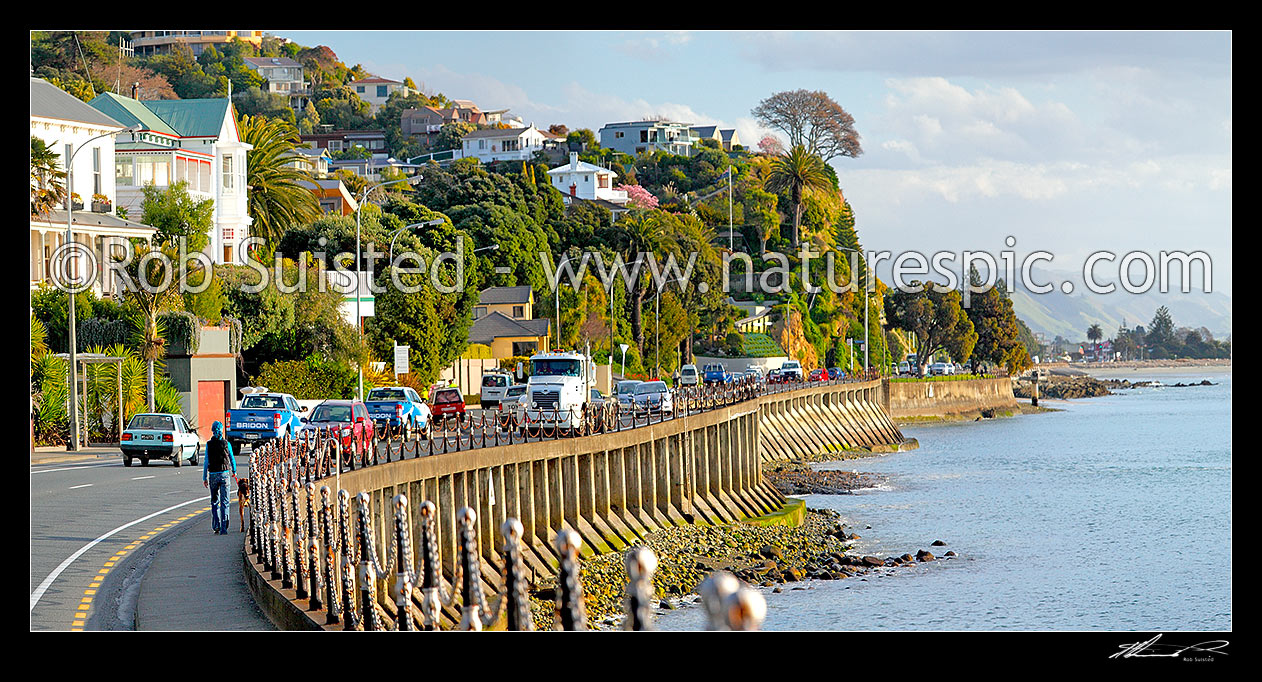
(937, 320)
(995, 323)
(177, 215)
(278, 199)
(799, 172)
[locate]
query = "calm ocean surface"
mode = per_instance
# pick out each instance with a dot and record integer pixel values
(1114, 514)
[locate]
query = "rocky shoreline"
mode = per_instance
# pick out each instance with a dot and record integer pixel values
(766, 556)
(798, 478)
(1072, 387)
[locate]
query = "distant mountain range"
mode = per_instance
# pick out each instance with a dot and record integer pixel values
(1069, 315)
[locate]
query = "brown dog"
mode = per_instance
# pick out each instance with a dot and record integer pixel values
(243, 500)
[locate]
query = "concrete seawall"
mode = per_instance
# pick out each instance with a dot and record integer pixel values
(613, 489)
(908, 399)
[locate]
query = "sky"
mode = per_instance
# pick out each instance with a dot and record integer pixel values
(1070, 142)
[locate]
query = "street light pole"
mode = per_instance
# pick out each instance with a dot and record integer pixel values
(359, 319)
(74, 373)
(428, 223)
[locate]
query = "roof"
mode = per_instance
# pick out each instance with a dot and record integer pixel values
(191, 117)
(582, 167)
(647, 123)
(131, 112)
(465, 104)
(487, 328)
(704, 131)
(50, 101)
(502, 295)
(375, 79)
(272, 61)
(496, 132)
(727, 134)
(89, 218)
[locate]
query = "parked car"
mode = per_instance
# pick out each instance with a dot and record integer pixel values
(513, 406)
(653, 396)
(688, 375)
(446, 401)
(159, 436)
(353, 430)
(904, 367)
(262, 416)
(754, 376)
(937, 369)
(949, 369)
(756, 370)
(818, 374)
(791, 370)
(716, 374)
(835, 373)
(775, 377)
(398, 407)
(626, 392)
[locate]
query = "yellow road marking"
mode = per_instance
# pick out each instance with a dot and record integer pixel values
(86, 604)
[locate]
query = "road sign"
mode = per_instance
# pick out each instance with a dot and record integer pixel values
(401, 359)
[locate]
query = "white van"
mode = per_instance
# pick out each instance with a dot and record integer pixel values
(494, 384)
(688, 376)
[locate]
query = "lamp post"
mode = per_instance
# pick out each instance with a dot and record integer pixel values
(359, 320)
(74, 374)
(867, 277)
(657, 314)
(395, 235)
(557, 295)
(624, 347)
(612, 324)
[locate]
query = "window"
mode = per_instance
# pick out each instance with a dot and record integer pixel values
(382, 91)
(644, 136)
(335, 145)
(481, 144)
(227, 173)
(96, 170)
(618, 135)
(359, 89)
(519, 311)
(587, 178)
(123, 172)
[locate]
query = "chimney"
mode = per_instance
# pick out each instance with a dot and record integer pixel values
(135, 89)
(573, 160)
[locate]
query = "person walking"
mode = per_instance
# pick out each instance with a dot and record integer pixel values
(216, 467)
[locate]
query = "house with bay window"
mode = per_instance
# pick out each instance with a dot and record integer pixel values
(191, 140)
(67, 126)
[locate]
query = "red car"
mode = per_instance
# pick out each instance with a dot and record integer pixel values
(349, 419)
(446, 401)
(818, 375)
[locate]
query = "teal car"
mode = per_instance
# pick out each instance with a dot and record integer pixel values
(159, 436)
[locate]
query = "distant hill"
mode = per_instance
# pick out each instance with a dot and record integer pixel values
(1070, 315)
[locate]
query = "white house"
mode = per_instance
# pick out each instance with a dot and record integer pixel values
(375, 91)
(503, 144)
(582, 180)
(195, 140)
(65, 124)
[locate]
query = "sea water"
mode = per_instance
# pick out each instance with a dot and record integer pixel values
(1111, 514)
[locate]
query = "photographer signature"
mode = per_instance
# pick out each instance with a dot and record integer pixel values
(1151, 649)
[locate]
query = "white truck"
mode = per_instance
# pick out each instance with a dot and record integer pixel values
(559, 389)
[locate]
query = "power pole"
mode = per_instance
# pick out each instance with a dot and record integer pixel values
(126, 48)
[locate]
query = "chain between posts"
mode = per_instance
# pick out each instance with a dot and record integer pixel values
(292, 551)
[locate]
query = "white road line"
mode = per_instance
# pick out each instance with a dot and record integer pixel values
(43, 586)
(74, 487)
(81, 466)
(141, 478)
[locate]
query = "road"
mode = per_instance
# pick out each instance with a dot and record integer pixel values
(96, 528)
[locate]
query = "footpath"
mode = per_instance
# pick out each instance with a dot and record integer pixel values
(196, 582)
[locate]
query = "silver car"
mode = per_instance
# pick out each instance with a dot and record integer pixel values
(653, 396)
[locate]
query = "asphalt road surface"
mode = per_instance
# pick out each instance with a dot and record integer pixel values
(96, 527)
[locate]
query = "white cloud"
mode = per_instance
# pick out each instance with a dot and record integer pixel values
(656, 46)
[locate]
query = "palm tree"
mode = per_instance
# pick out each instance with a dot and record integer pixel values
(278, 200)
(1094, 334)
(48, 188)
(147, 332)
(642, 234)
(800, 172)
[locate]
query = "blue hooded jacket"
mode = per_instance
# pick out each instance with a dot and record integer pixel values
(216, 430)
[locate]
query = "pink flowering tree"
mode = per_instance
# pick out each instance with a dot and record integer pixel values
(770, 145)
(638, 197)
